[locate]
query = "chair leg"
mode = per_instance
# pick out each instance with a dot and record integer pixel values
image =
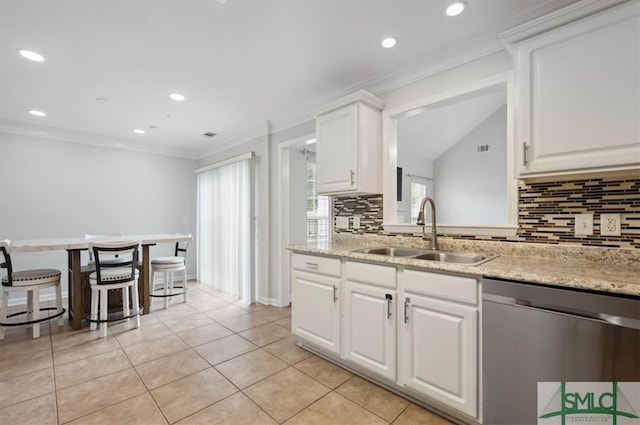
(152, 286)
(35, 303)
(125, 301)
(166, 287)
(59, 304)
(29, 306)
(184, 284)
(94, 307)
(104, 297)
(136, 303)
(4, 307)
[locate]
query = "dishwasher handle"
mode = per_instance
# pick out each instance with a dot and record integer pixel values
(606, 319)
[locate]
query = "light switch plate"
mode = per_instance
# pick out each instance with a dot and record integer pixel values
(356, 222)
(342, 222)
(584, 225)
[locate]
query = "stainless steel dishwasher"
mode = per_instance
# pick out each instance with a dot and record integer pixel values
(534, 333)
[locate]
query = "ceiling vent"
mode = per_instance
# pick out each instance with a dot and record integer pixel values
(209, 134)
(482, 148)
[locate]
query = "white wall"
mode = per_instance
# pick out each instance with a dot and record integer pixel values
(57, 189)
(470, 187)
(260, 146)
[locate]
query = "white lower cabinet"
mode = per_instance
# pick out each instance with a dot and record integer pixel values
(416, 331)
(316, 301)
(370, 317)
(438, 341)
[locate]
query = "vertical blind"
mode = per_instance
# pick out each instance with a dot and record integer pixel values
(224, 252)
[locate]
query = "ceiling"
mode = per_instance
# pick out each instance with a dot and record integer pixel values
(240, 64)
(431, 131)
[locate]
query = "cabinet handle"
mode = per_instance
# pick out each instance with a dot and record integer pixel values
(389, 298)
(312, 265)
(406, 309)
(335, 293)
(352, 177)
(525, 149)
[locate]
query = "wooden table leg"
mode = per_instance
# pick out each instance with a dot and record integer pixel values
(75, 289)
(143, 282)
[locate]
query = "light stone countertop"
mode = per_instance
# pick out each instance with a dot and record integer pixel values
(599, 269)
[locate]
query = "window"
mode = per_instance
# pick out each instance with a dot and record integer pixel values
(318, 210)
(418, 192)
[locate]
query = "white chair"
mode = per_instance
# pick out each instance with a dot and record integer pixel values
(31, 282)
(168, 266)
(114, 275)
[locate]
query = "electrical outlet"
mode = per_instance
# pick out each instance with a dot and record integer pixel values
(342, 222)
(610, 224)
(584, 225)
(356, 222)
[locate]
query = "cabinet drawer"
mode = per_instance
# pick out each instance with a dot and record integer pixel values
(455, 288)
(312, 263)
(371, 273)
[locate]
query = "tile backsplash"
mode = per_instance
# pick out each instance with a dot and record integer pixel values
(546, 212)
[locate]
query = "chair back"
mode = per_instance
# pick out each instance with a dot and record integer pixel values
(181, 249)
(127, 257)
(5, 263)
(92, 236)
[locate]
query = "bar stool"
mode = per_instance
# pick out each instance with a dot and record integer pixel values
(170, 265)
(30, 281)
(109, 274)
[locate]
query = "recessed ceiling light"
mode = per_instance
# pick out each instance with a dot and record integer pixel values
(31, 55)
(37, 113)
(389, 42)
(456, 8)
(103, 100)
(138, 131)
(177, 96)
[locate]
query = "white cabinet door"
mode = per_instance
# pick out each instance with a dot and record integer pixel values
(437, 351)
(578, 97)
(337, 150)
(370, 327)
(315, 314)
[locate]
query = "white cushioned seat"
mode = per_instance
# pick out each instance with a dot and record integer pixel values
(114, 274)
(33, 277)
(31, 282)
(169, 262)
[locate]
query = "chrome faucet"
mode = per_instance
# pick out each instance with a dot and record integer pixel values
(420, 222)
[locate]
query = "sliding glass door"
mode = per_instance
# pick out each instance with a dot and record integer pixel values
(224, 247)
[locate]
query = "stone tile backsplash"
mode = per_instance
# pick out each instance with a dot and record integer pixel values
(546, 212)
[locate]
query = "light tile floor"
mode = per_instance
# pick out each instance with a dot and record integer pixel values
(209, 361)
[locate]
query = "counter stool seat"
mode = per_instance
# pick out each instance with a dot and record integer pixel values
(170, 265)
(31, 282)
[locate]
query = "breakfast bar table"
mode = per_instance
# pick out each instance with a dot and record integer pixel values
(74, 246)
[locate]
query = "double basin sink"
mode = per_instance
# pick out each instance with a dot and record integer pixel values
(467, 258)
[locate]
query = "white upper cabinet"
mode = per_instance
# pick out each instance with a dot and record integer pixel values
(578, 95)
(348, 146)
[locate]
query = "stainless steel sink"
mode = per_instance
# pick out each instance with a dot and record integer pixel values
(392, 251)
(467, 258)
(454, 257)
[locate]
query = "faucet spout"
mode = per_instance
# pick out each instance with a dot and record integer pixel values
(420, 221)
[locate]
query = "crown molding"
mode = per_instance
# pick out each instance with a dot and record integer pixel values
(573, 12)
(72, 136)
(359, 96)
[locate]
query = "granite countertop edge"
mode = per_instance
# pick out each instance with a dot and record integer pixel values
(575, 274)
